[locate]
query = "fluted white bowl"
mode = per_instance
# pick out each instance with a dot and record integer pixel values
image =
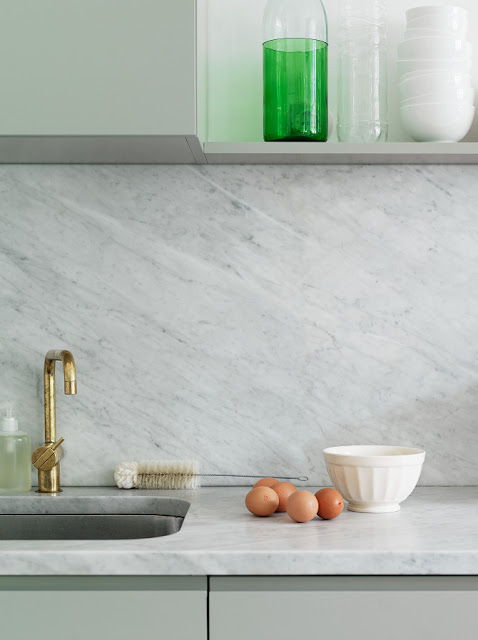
(432, 47)
(433, 82)
(374, 479)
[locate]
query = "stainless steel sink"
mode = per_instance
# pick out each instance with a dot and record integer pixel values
(90, 513)
(87, 527)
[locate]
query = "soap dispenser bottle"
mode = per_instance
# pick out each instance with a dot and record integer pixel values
(15, 454)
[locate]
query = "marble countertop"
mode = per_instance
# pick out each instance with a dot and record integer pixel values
(436, 532)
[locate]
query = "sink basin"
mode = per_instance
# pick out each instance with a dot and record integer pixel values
(90, 514)
(87, 527)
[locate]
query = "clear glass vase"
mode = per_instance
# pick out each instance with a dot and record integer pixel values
(295, 71)
(362, 112)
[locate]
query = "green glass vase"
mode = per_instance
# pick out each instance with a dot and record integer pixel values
(295, 71)
(295, 90)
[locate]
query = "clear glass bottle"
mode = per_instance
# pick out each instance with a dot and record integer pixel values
(362, 71)
(295, 70)
(15, 455)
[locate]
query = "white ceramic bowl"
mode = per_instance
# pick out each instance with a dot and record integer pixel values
(416, 32)
(456, 66)
(438, 122)
(433, 82)
(448, 12)
(460, 96)
(434, 47)
(374, 479)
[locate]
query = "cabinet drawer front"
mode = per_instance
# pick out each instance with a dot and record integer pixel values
(340, 609)
(101, 608)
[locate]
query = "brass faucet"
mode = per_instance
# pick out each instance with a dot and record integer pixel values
(47, 457)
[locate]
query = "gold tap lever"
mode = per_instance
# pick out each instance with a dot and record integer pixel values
(47, 457)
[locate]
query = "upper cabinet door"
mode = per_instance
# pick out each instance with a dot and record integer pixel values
(97, 67)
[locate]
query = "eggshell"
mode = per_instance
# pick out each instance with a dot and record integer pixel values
(266, 482)
(331, 503)
(262, 501)
(302, 506)
(283, 490)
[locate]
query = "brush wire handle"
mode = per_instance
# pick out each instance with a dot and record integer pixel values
(171, 474)
(235, 475)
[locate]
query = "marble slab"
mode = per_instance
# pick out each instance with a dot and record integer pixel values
(247, 317)
(435, 533)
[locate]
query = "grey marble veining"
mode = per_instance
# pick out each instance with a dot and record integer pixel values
(244, 316)
(433, 534)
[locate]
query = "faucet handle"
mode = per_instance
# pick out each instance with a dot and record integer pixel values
(47, 456)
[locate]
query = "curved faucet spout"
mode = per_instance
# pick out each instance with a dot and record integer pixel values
(69, 372)
(47, 457)
(69, 369)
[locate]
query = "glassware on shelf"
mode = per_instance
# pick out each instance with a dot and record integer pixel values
(362, 72)
(295, 71)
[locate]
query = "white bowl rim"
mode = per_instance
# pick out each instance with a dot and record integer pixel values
(449, 30)
(456, 103)
(464, 99)
(431, 18)
(452, 37)
(374, 455)
(438, 33)
(435, 73)
(448, 62)
(425, 10)
(418, 73)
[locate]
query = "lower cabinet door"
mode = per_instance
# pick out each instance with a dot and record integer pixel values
(342, 608)
(103, 608)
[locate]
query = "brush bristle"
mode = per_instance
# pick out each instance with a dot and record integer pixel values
(167, 474)
(125, 475)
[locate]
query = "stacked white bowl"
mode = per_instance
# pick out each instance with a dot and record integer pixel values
(434, 65)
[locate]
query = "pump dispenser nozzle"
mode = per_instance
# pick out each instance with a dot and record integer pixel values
(9, 423)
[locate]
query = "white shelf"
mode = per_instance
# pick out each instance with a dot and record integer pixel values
(340, 153)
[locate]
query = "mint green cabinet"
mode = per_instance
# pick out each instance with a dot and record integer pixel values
(238, 608)
(101, 608)
(336, 608)
(84, 74)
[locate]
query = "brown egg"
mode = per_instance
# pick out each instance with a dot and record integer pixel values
(331, 503)
(266, 482)
(283, 490)
(262, 501)
(302, 506)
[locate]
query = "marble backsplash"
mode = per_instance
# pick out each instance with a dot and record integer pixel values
(244, 316)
